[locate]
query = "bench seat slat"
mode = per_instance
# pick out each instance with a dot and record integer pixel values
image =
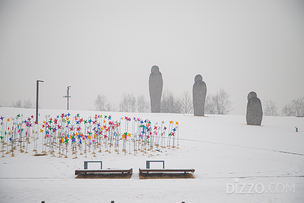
(166, 170)
(85, 171)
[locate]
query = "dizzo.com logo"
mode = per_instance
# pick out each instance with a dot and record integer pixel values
(259, 188)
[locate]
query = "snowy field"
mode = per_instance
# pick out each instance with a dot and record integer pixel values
(233, 162)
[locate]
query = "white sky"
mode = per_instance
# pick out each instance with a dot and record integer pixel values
(109, 47)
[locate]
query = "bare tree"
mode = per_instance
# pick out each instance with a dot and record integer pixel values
(186, 104)
(287, 110)
(210, 106)
(101, 103)
(128, 103)
(18, 104)
(223, 104)
(28, 104)
(270, 108)
(142, 104)
(298, 106)
(109, 107)
(169, 104)
(295, 108)
(218, 103)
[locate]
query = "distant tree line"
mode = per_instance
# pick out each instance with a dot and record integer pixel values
(294, 108)
(218, 103)
(215, 104)
(26, 104)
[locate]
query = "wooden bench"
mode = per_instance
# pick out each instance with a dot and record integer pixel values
(104, 171)
(141, 171)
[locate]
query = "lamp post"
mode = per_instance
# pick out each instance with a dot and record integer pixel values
(37, 92)
(68, 97)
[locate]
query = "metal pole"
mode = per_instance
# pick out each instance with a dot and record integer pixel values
(68, 102)
(37, 94)
(37, 89)
(68, 97)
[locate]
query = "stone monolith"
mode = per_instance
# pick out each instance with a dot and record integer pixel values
(199, 96)
(155, 89)
(254, 113)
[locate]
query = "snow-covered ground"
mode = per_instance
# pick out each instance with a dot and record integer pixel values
(234, 162)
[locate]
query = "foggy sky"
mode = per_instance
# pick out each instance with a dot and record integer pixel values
(109, 47)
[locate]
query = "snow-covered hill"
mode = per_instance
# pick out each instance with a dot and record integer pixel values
(234, 162)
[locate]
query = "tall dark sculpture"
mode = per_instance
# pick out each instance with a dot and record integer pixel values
(254, 110)
(155, 89)
(199, 96)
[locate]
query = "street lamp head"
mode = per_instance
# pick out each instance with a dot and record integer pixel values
(40, 81)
